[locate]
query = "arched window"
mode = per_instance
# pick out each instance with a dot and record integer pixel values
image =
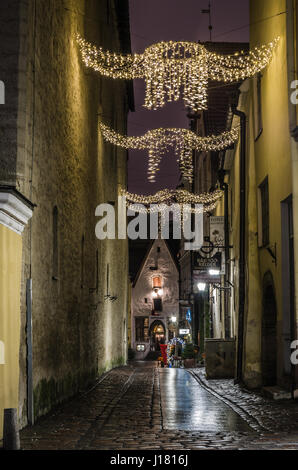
(157, 293)
(82, 261)
(55, 244)
(2, 353)
(108, 279)
(157, 282)
(2, 92)
(96, 273)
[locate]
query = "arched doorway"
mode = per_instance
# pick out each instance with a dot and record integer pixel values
(269, 340)
(157, 335)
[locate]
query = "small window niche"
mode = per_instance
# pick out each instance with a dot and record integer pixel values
(263, 213)
(257, 99)
(55, 248)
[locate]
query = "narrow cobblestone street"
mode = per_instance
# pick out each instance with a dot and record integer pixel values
(142, 407)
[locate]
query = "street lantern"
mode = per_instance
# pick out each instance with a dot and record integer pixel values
(214, 272)
(201, 286)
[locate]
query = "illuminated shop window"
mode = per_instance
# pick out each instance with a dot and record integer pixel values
(142, 328)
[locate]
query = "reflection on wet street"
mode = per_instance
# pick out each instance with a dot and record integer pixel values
(188, 406)
(123, 412)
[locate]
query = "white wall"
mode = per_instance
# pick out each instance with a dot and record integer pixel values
(143, 288)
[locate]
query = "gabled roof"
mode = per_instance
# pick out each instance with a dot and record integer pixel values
(139, 251)
(216, 117)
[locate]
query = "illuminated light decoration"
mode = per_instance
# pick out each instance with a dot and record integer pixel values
(169, 67)
(170, 196)
(184, 141)
(188, 315)
(181, 209)
(180, 201)
(173, 342)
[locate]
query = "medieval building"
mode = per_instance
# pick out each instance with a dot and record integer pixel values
(155, 298)
(64, 294)
(254, 298)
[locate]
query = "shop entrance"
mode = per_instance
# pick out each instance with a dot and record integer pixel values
(157, 335)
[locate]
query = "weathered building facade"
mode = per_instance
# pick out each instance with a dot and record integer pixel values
(52, 152)
(155, 300)
(208, 308)
(263, 225)
(255, 300)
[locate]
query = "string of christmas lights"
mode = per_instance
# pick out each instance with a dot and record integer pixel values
(169, 67)
(180, 200)
(178, 210)
(170, 196)
(159, 141)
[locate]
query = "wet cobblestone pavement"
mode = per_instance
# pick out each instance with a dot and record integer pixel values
(189, 407)
(262, 414)
(142, 407)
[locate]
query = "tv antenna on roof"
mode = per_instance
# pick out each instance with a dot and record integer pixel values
(208, 11)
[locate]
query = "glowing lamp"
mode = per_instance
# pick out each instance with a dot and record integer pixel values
(201, 286)
(214, 272)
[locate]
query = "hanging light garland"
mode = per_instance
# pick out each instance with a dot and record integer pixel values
(178, 209)
(170, 196)
(168, 67)
(184, 141)
(181, 198)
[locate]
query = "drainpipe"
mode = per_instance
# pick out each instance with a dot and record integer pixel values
(29, 333)
(293, 128)
(30, 400)
(225, 187)
(242, 116)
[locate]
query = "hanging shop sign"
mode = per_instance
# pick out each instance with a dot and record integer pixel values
(217, 231)
(208, 269)
(188, 315)
(205, 264)
(184, 332)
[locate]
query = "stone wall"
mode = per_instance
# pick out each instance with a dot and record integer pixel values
(57, 158)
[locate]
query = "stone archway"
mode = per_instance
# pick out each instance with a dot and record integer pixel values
(157, 333)
(269, 332)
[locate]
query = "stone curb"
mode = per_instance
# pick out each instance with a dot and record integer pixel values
(251, 420)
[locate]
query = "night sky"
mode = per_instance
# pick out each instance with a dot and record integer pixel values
(164, 20)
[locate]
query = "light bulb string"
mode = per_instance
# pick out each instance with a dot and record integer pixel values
(172, 196)
(174, 68)
(184, 141)
(163, 137)
(164, 54)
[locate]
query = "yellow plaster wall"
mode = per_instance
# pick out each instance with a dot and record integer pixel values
(10, 282)
(272, 149)
(269, 155)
